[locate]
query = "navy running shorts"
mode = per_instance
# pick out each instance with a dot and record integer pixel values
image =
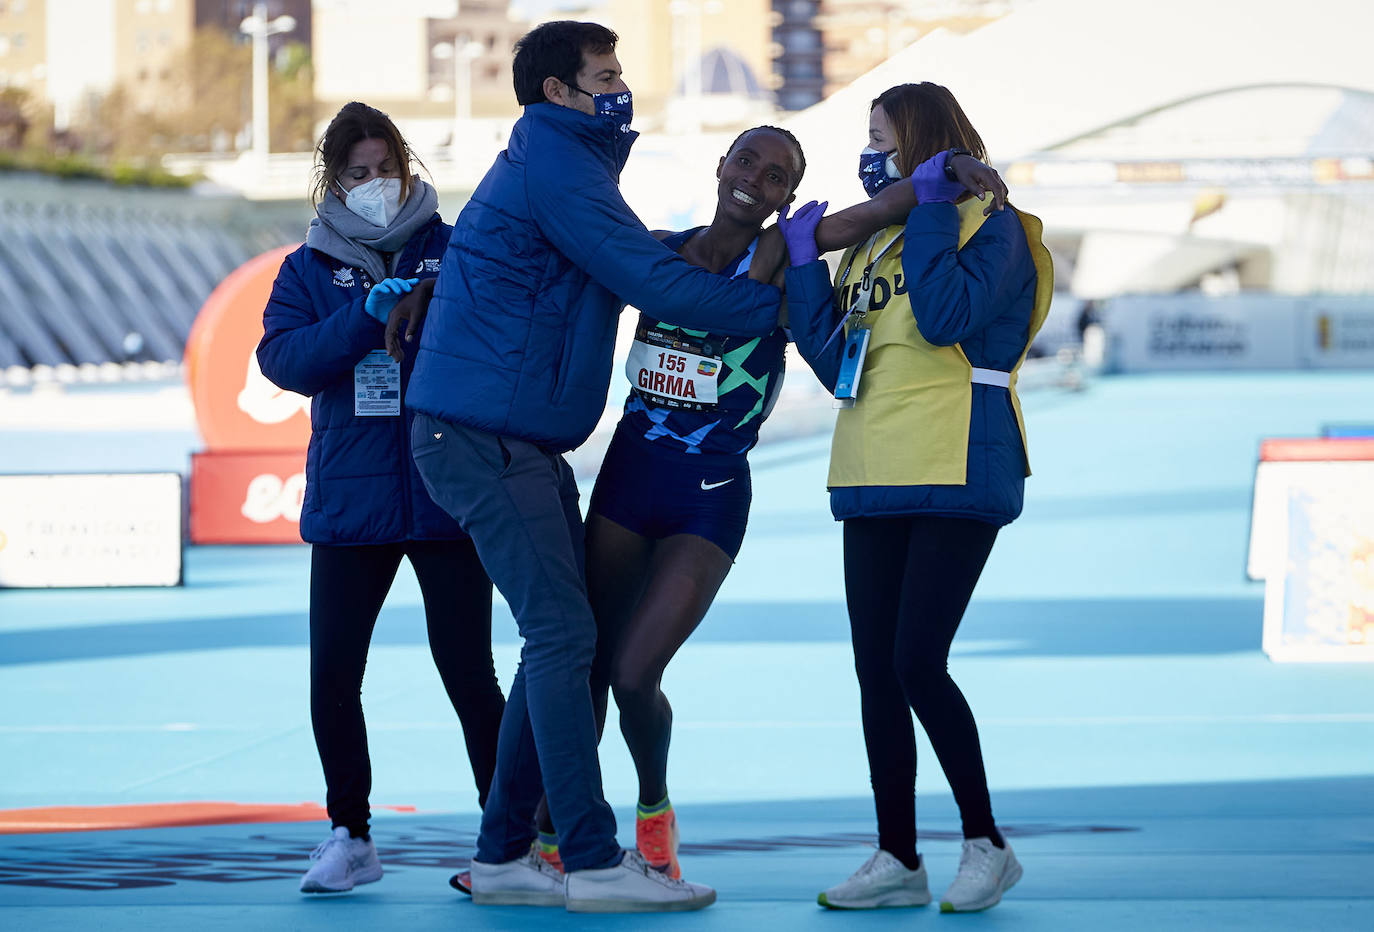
(657, 492)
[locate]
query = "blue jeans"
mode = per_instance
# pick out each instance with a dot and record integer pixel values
(518, 503)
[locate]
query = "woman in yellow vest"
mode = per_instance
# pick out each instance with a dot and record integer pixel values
(928, 462)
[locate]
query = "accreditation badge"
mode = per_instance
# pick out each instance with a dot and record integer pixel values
(851, 367)
(377, 386)
(673, 370)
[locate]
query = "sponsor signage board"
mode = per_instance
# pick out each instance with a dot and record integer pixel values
(1312, 542)
(1183, 332)
(90, 530)
(1319, 604)
(247, 498)
(1168, 332)
(248, 485)
(1340, 332)
(1298, 462)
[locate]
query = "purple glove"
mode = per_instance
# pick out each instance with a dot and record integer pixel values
(799, 232)
(930, 183)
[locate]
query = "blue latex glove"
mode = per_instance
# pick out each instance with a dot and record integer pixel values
(930, 183)
(799, 232)
(384, 295)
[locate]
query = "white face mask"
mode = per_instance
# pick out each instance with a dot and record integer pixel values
(376, 201)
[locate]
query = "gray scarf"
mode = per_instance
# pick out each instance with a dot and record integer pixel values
(338, 232)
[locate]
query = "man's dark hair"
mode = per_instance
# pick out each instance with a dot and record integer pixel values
(555, 50)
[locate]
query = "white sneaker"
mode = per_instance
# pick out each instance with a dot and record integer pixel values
(526, 881)
(883, 881)
(985, 873)
(341, 863)
(633, 886)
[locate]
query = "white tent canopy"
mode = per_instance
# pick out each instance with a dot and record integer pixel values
(1057, 69)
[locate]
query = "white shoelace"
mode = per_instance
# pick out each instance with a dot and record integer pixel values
(322, 847)
(649, 870)
(543, 866)
(976, 862)
(869, 867)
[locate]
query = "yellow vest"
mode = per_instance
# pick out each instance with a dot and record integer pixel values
(910, 425)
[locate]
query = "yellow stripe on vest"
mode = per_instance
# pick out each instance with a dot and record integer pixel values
(910, 425)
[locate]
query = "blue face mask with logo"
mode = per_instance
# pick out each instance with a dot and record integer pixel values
(877, 169)
(618, 107)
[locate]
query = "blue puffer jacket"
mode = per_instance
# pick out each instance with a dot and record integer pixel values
(361, 483)
(980, 297)
(521, 330)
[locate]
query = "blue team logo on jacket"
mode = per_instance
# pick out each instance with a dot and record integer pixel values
(344, 277)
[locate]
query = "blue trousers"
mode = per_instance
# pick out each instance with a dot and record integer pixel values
(518, 503)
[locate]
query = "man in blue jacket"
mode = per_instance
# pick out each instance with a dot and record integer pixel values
(512, 371)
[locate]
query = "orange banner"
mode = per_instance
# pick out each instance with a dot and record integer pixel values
(247, 498)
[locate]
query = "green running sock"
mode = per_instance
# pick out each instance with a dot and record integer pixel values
(648, 812)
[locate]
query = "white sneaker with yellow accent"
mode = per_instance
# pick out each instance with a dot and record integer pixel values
(882, 882)
(985, 873)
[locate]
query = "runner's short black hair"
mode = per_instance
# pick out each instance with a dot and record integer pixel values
(556, 50)
(798, 157)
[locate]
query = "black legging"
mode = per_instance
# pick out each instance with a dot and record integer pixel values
(347, 588)
(907, 582)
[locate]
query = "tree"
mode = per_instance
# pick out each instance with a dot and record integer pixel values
(14, 122)
(291, 88)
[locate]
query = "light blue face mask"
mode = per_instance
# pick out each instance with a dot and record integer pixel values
(877, 169)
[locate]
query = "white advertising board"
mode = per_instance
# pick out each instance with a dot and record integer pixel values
(90, 530)
(1319, 605)
(1340, 332)
(1150, 333)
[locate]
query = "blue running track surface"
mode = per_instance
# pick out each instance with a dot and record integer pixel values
(1153, 769)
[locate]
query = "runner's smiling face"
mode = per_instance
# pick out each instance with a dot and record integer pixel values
(756, 177)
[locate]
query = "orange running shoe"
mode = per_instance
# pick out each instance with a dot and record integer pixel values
(656, 839)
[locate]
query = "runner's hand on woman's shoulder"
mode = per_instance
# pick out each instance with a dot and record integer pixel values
(411, 309)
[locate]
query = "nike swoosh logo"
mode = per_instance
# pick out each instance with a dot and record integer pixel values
(438, 436)
(708, 486)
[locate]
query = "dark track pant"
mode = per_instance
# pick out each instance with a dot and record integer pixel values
(347, 588)
(907, 582)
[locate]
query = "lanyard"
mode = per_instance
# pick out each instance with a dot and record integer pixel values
(861, 300)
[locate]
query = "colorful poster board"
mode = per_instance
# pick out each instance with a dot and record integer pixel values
(1312, 542)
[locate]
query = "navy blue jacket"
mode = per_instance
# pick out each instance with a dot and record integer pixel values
(521, 330)
(361, 483)
(980, 297)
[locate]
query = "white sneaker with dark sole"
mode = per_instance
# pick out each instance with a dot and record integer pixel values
(985, 873)
(341, 863)
(633, 886)
(526, 881)
(882, 882)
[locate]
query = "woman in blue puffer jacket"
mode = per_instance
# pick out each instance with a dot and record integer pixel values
(928, 462)
(375, 236)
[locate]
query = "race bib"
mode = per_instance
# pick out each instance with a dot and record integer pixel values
(377, 386)
(673, 370)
